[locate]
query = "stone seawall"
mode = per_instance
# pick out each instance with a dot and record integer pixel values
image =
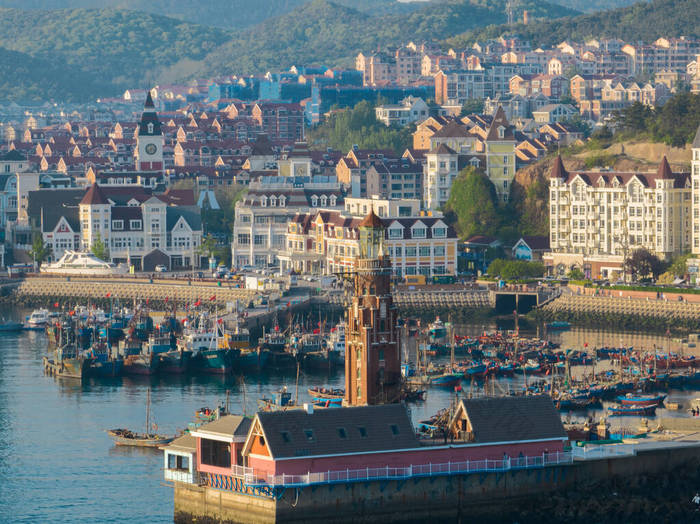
(53, 288)
(477, 497)
(643, 307)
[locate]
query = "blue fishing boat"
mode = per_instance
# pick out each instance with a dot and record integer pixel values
(632, 399)
(633, 410)
(437, 329)
(446, 379)
(558, 325)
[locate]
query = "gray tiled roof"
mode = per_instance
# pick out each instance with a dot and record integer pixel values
(696, 142)
(229, 425)
(296, 433)
(506, 419)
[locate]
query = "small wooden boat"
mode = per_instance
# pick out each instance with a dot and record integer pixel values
(558, 325)
(446, 379)
(126, 437)
(633, 410)
(326, 393)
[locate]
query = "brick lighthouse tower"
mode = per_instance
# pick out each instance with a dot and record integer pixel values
(372, 337)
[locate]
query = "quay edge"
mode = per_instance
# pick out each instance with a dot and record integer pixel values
(479, 497)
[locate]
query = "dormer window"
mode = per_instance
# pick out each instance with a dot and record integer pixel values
(324, 200)
(263, 201)
(282, 201)
(501, 131)
(314, 201)
(273, 201)
(333, 200)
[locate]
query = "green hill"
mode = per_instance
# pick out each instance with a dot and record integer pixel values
(643, 21)
(590, 6)
(323, 31)
(115, 48)
(228, 14)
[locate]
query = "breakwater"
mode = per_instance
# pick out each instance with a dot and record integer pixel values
(623, 313)
(60, 289)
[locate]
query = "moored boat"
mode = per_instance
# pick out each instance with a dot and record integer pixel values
(632, 399)
(633, 410)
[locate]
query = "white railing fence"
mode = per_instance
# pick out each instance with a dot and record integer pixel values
(602, 451)
(420, 470)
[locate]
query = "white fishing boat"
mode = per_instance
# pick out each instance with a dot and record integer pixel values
(82, 263)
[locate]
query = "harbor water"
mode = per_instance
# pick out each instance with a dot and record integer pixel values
(59, 465)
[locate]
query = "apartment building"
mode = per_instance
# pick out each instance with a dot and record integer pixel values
(597, 218)
(327, 241)
(410, 109)
(261, 217)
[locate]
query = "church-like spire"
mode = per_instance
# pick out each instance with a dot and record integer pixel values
(149, 124)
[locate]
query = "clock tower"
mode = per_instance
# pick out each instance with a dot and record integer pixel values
(372, 336)
(149, 139)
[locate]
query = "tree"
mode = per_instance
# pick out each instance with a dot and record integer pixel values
(99, 248)
(39, 251)
(515, 269)
(207, 246)
(679, 265)
(472, 106)
(642, 263)
(576, 274)
(472, 202)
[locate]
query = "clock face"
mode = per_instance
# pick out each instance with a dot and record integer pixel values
(151, 149)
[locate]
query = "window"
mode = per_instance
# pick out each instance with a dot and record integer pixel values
(424, 251)
(286, 437)
(381, 352)
(309, 434)
(439, 232)
(410, 251)
(118, 225)
(178, 462)
(136, 224)
(439, 251)
(216, 453)
(342, 433)
(260, 240)
(395, 232)
(418, 232)
(394, 429)
(243, 239)
(363, 431)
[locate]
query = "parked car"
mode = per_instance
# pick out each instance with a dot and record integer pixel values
(160, 268)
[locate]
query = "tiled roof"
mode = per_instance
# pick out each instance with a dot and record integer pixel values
(295, 433)
(517, 418)
(228, 425)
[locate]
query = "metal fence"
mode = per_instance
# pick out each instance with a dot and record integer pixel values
(412, 471)
(603, 451)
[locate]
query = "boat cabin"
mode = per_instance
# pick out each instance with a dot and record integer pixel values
(220, 444)
(180, 459)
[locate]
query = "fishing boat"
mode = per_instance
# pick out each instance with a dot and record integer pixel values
(558, 325)
(632, 399)
(207, 344)
(446, 379)
(633, 410)
(326, 393)
(8, 326)
(148, 439)
(336, 339)
(280, 401)
(437, 329)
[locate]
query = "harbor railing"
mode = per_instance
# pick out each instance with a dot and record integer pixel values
(412, 471)
(602, 451)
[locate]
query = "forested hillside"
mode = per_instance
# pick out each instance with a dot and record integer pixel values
(643, 21)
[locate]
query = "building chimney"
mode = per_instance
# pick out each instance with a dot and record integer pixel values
(525, 17)
(309, 408)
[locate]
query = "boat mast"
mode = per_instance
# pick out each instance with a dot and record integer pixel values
(148, 410)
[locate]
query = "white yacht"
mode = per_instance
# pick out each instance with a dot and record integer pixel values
(38, 318)
(82, 263)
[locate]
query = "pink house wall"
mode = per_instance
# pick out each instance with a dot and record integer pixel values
(427, 455)
(206, 468)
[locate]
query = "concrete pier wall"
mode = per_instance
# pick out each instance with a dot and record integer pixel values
(477, 496)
